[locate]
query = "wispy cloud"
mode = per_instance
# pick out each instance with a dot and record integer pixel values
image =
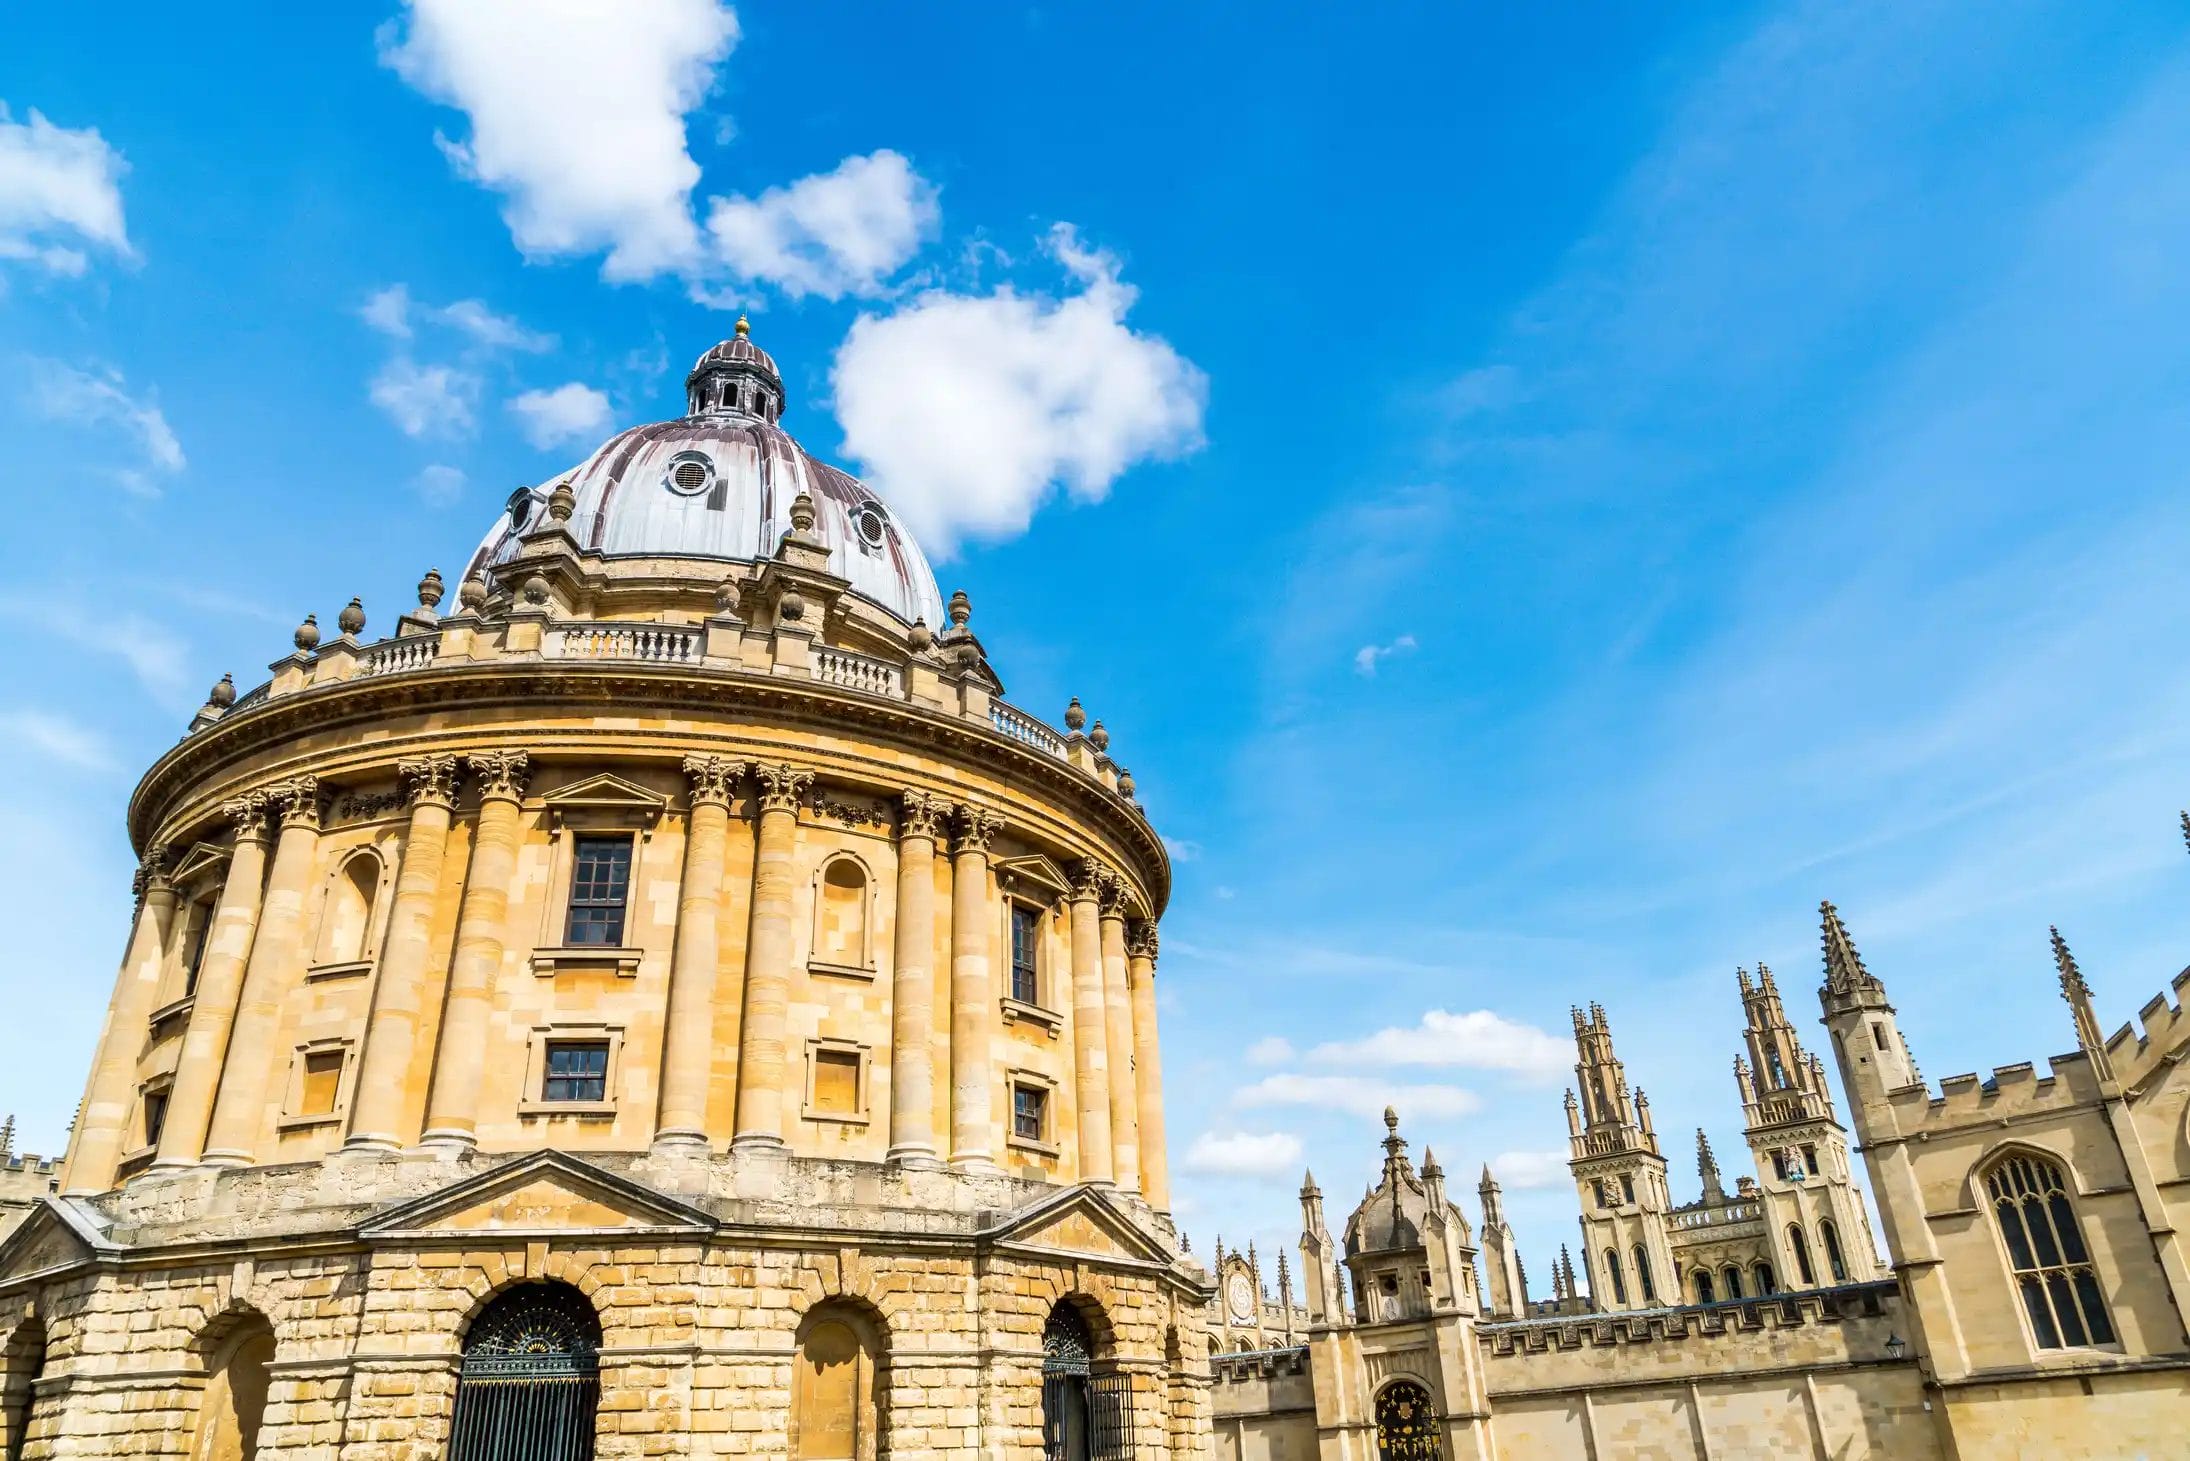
(1267, 1156)
(60, 195)
(1474, 1039)
(569, 413)
(1357, 1095)
(100, 397)
(1527, 1171)
(1369, 656)
(154, 654)
(57, 738)
(427, 400)
(439, 484)
(392, 312)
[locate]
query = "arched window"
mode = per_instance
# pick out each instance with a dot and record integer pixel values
(1602, 1199)
(840, 915)
(197, 932)
(1730, 1276)
(345, 925)
(2045, 1250)
(1406, 1424)
(1767, 1282)
(1835, 1264)
(1705, 1293)
(1642, 1275)
(234, 1399)
(25, 1360)
(1086, 1409)
(1800, 1247)
(531, 1378)
(836, 1387)
(1617, 1278)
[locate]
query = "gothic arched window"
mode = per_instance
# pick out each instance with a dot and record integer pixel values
(1731, 1275)
(1800, 1247)
(1767, 1281)
(1642, 1275)
(531, 1378)
(1705, 1293)
(1613, 1274)
(1835, 1264)
(2045, 1249)
(1406, 1424)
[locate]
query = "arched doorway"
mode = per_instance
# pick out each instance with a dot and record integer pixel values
(25, 1360)
(234, 1400)
(531, 1378)
(837, 1387)
(1087, 1411)
(1406, 1424)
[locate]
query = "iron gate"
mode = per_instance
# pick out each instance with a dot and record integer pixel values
(1085, 1416)
(531, 1379)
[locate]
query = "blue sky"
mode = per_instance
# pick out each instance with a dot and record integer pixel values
(1540, 499)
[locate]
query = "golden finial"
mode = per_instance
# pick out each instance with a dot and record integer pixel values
(744, 327)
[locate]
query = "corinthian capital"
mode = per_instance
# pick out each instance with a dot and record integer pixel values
(430, 780)
(1088, 878)
(247, 814)
(1140, 939)
(782, 787)
(921, 815)
(298, 801)
(502, 774)
(975, 827)
(1113, 894)
(714, 779)
(151, 871)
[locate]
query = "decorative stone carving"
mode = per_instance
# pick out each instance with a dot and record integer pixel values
(1075, 715)
(430, 592)
(430, 779)
(782, 787)
(791, 607)
(536, 590)
(961, 609)
(922, 638)
(713, 778)
(1098, 737)
(921, 815)
(802, 514)
(351, 621)
(1112, 891)
(502, 774)
(1089, 878)
(1140, 938)
(358, 805)
(561, 502)
(297, 801)
(975, 827)
(223, 694)
(151, 871)
(1125, 783)
(851, 814)
(306, 639)
(471, 594)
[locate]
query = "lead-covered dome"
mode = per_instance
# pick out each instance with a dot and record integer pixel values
(718, 485)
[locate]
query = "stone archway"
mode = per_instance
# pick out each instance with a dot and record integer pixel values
(234, 1400)
(530, 1383)
(1087, 1402)
(1406, 1424)
(837, 1385)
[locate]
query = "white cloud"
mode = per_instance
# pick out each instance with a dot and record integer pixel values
(388, 311)
(1054, 391)
(1273, 1154)
(1182, 849)
(1477, 1039)
(439, 484)
(60, 190)
(1357, 1095)
(154, 654)
(57, 738)
(391, 311)
(569, 413)
(101, 397)
(831, 234)
(1526, 1170)
(426, 400)
(577, 115)
(1270, 1050)
(1369, 656)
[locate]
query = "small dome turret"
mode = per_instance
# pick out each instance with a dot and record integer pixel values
(735, 378)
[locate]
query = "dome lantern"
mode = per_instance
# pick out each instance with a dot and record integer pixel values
(735, 378)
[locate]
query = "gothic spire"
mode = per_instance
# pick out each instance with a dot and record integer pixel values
(1845, 975)
(1707, 1168)
(2078, 995)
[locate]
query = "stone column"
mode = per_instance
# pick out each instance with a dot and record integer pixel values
(220, 982)
(1090, 1043)
(1125, 1120)
(452, 1113)
(381, 1110)
(277, 960)
(912, 985)
(761, 1035)
(973, 995)
(690, 1022)
(1140, 964)
(97, 1151)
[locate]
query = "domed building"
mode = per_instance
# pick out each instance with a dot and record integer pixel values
(670, 1005)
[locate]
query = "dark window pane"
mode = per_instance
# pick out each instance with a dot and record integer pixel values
(2064, 1305)
(600, 882)
(2041, 1314)
(577, 1070)
(1026, 1112)
(2018, 1242)
(2041, 1233)
(2094, 1307)
(2064, 1222)
(1025, 938)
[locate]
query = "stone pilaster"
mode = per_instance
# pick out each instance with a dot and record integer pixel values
(452, 1113)
(1125, 1113)
(220, 984)
(765, 1028)
(1140, 965)
(973, 995)
(381, 1113)
(696, 969)
(1090, 1040)
(100, 1135)
(912, 984)
(275, 967)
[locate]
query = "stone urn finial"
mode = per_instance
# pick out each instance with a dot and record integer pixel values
(351, 620)
(802, 514)
(1075, 715)
(306, 638)
(1098, 737)
(561, 502)
(791, 607)
(471, 593)
(921, 637)
(1125, 783)
(431, 590)
(536, 590)
(961, 609)
(726, 595)
(223, 693)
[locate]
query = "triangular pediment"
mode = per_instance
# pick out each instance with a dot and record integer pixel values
(1079, 1222)
(1037, 870)
(201, 861)
(605, 794)
(547, 1193)
(53, 1237)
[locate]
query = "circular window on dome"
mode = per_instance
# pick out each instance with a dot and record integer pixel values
(690, 473)
(519, 508)
(868, 521)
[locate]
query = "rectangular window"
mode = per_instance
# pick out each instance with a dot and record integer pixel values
(577, 1070)
(1026, 932)
(155, 1116)
(322, 1081)
(1809, 1159)
(1627, 1188)
(1029, 1112)
(836, 1082)
(1779, 1165)
(200, 934)
(600, 882)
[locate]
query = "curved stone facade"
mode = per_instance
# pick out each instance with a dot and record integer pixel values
(699, 934)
